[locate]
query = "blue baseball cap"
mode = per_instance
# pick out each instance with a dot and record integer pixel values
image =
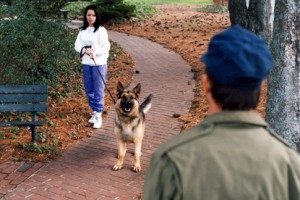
(238, 58)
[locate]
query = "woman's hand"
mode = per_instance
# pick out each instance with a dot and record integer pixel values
(89, 52)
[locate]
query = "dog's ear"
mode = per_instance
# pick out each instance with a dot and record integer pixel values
(120, 87)
(137, 90)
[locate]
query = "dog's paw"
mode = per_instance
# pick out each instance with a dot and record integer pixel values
(117, 167)
(137, 168)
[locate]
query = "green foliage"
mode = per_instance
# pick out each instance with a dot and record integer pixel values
(51, 123)
(42, 137)
(15, 130)
(36, 50)
(43, 8)
(77, 7)
(54, 139)
(73, 135)
(143, 11)
(13, 136)
(213, 9)
(112, 11)
(32, 147)
(185, 2)
(2, 136)
(115, 10)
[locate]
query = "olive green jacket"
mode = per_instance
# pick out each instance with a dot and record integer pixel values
(229, 156)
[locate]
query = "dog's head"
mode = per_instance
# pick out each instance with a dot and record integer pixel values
(127, 101)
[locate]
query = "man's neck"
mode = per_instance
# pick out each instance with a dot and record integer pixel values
(213, 110)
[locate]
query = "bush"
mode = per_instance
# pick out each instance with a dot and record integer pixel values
(77, 8)
(143, 10)
(44, 8)
(35, 50)
(112, 10)
(115, 10)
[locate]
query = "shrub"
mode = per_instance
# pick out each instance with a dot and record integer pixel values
(112, 10)
(77, 8)
(35, 50)
(143, 11)
(115, 10)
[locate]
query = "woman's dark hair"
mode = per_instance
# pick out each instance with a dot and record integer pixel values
(97, 23)
(232, 98)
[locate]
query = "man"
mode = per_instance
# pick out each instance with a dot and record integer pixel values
(232, 154)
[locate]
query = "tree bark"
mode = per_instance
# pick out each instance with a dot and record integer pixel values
(255, 18)
(283, 104)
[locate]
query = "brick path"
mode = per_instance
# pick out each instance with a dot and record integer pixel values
(85, 171)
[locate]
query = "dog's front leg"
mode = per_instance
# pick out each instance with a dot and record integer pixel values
(122, 147)
(137, 156)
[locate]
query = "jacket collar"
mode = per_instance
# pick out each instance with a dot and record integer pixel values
(248, 117)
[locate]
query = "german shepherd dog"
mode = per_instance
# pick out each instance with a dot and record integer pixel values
(130, 123)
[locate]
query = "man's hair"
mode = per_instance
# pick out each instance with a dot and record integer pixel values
(232, 98)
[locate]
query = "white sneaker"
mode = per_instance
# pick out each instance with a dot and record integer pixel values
(98, 120)
(92, 119)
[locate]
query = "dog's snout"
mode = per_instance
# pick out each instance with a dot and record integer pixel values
(126, 105)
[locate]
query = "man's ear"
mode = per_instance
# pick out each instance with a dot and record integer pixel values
(264, 82)
(206, 84)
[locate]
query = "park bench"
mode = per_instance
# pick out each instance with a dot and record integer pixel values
(24, 98)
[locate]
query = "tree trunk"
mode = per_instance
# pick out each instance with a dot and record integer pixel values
(255, 18)
(283, 104)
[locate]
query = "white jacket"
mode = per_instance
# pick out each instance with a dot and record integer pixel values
(98, 41)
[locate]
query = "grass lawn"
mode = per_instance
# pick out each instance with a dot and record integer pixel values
(185, 2)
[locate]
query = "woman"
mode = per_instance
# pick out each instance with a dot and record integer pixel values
(93, 44)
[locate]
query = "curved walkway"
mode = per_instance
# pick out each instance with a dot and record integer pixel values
(85, 171)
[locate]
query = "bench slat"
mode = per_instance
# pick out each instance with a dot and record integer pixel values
(6, 98)
(24, 98)
(6, 89)
(23, 107)
(39, 123)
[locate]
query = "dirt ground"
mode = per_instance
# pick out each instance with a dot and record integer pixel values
(179, 28)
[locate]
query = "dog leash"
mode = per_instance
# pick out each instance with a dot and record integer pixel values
(81, 54)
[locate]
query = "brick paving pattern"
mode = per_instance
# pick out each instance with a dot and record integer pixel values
(85, 171)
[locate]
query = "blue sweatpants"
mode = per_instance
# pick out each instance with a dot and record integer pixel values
(94, 86)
